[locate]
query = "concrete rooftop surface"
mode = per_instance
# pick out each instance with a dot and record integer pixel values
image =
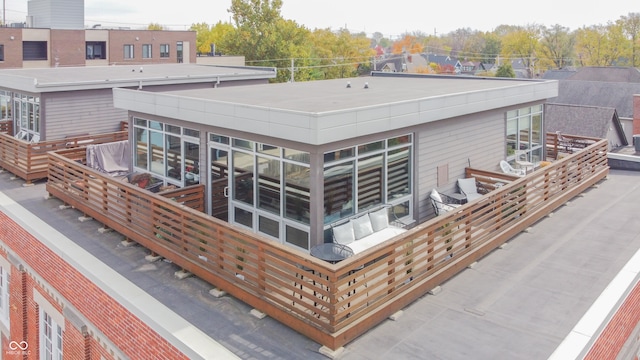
(519, 302)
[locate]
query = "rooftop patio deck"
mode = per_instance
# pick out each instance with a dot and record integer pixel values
(518, 302)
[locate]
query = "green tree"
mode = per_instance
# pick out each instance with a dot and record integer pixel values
(601, 45)
(631, 27)
(505, 70)
(556, 46)
(522, 44)
(155, 26)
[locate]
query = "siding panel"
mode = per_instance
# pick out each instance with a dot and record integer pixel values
(80, 112)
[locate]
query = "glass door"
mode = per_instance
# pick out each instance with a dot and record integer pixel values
(219, 177)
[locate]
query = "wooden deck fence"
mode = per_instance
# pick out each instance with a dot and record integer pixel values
(29, 160)
(330, 303)
(6, 127)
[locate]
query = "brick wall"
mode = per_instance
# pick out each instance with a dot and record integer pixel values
(67, 48)
(59, 283)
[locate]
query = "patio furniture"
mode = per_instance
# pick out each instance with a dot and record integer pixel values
(508, 169)
(367, 229)
(469, 188)
(523, 162)
(439, 205)
(331, 252)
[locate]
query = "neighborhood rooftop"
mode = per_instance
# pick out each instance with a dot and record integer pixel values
(98, 77)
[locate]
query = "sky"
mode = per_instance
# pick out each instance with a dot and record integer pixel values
(391, 18)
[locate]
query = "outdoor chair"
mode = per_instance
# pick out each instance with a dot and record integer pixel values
(469, 188)
(508, 169)
(439, 205)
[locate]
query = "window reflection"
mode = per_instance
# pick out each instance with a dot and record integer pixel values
(297, 192)
(338, 191)
(243, 177)
(398, 173)
(269, 185)
(370, 182)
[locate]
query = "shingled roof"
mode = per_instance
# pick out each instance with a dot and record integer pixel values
(607, 74)
(592, 121)
(617, 95)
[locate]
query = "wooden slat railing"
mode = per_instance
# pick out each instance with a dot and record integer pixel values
(6, 126)
(332, 304)
(29, 160)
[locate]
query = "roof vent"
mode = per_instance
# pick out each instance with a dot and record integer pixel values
(366, 85)
(348, 84)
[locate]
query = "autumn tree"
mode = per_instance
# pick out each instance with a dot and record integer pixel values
(601, 45)
(631, 27)
(155, 26)
(522, 44)
(557, 46)
(340, 54)
(408, 44)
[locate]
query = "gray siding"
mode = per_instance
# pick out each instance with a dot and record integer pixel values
(478, 139)
(79, 112)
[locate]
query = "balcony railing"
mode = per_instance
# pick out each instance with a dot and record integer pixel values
(6, 127)
(330, 303)
(29, 160)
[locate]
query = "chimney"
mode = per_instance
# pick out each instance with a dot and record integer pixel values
(636, 114)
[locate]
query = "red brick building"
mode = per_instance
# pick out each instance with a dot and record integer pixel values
(58, 302)
(38, 48)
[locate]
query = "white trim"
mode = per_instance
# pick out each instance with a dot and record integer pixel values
(581, 338)
(177, 331)
(46, 306)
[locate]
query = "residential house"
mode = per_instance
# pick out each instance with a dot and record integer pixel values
(445, 63)
(589, 121)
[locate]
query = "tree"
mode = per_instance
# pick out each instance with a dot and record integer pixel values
(155, 26)
(557, 46)
(522, 44)
(408, 44)
(505, 70)
(601, 45)
(631, 27)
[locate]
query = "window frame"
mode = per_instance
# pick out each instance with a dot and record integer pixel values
(128, 49)
(1, 52)
(147, 51)
(165, 50)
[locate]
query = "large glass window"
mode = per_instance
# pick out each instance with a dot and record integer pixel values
(171, 153)
(34, 50)
(368, 175)
(524, 133)
(1, 52)
(26, 114)
(50, 338)
(5, 105)
(96, 50)
(269, 188)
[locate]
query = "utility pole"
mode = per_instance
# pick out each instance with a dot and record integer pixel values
(292, 71)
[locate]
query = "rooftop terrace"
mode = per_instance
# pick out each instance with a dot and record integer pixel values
(518, 302)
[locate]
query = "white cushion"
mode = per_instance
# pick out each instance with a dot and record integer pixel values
(343, 234)
(435, 195)
(468, 186)
(375, 239)
(379, 219)
(361, 226)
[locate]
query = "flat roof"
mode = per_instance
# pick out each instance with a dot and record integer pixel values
(101, 77)
(318, 112)
(519, 302)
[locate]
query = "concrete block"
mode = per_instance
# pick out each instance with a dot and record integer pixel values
(152, 258)
(550, 215)
(64, 207)
(127, 243)
(472, 265)
(105, 230)
(395, 316)
(182, 274)
(85, 218)
(435, 291)
(28, 184)
(331, 354)
(503, 246)
(257, 314)
(217, 293)
(527, 230)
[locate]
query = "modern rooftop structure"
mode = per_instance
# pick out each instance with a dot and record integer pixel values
(255, 182)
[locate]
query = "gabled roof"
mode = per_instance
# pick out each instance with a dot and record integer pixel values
(441, 59)
(608, 74)
(617, 95)
(592, 121)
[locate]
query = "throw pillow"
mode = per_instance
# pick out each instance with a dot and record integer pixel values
(343, 234)
(361, 227)
(379, 219)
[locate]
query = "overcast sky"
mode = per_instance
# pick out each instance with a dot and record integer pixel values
(391, 18)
